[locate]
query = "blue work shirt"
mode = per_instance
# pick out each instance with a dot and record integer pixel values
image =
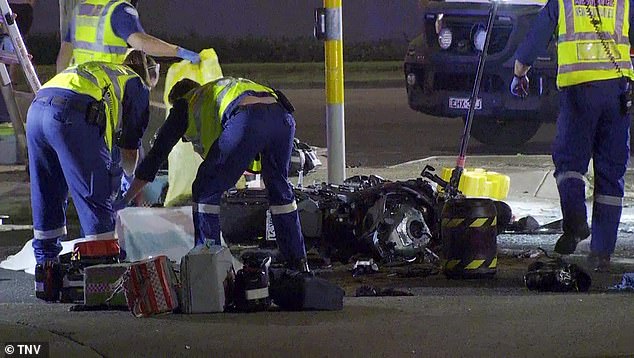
(135, 106)
(125, 22)
(541, 32)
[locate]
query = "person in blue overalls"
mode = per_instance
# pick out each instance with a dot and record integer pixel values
(594, 76)
(83, 126)
(230, 122)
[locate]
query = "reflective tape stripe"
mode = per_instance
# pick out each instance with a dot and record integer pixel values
(452, 222)
(474, 264)
(98, 237)
(606, 65)
(97, 47)
(83, 73)
(494, 262)
(495, 221)
(49, 234)
(451, 264)
(570, 17)
(618, 22)
(479, 222)
(89, 9)
(608, 200)
(568, 175)
(101, 27)
(206, 208)
(591, 36)
(333, 22)
(283, 209)
(229, 84)
(257, 293)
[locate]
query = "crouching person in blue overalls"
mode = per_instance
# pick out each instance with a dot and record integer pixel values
(229, 122)
(82, 127)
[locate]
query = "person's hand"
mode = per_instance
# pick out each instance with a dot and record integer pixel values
(190, 56)
(519, 86)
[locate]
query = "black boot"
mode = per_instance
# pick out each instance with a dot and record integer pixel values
(48, 281)
(567, 243)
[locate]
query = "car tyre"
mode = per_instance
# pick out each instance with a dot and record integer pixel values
(504, 132)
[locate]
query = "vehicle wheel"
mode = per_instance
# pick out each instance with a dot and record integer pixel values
(504, 131)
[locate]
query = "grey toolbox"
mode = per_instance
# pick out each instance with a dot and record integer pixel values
(207, 275)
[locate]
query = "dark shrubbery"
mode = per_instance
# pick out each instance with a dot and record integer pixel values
(251, 49)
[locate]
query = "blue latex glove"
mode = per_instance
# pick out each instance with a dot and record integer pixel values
(519, 86)
(125, 183)
(185, 54)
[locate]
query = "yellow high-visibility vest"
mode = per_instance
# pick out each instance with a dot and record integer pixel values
(581, 52)
(101, 81)
(207, 105)
(93, 38)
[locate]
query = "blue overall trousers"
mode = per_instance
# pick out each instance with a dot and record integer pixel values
(591, 125)
(68, 154)
(258, 128)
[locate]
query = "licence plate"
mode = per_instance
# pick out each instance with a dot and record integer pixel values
(463, 103)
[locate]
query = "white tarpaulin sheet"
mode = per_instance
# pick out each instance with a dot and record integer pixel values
(146, 232)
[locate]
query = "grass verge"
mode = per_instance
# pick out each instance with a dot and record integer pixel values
(294, 74)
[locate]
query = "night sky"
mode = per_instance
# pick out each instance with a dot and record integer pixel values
(363, 19)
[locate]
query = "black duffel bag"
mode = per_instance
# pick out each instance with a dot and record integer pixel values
(299, 291)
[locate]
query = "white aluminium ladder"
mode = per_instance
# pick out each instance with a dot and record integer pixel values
(20, 56)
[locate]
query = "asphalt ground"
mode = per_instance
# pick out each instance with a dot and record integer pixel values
(493, 317)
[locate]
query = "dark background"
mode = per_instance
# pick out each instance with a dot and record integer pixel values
(363, 19)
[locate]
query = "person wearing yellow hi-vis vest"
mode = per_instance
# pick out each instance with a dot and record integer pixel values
(230, 122)
(84, 128)
(101, 30)
(594, 76)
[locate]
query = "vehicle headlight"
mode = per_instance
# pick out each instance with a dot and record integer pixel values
(444, 38)
(479, 38)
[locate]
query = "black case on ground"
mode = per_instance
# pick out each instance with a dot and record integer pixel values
(298, 291)
(243, 215)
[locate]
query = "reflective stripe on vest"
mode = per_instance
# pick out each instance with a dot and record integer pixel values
(207, 105)
(100, 81)
(582, 56)
(92, 36)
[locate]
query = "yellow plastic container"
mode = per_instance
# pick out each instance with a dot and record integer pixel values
(477, 182)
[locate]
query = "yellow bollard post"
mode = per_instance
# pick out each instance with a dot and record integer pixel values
(335, 123)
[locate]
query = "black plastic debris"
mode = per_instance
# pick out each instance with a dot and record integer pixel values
(556, 275)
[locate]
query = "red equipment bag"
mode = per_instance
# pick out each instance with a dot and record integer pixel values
(96, 252)
(150, 287)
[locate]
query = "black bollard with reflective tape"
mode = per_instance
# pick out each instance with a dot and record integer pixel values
(469, 236)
